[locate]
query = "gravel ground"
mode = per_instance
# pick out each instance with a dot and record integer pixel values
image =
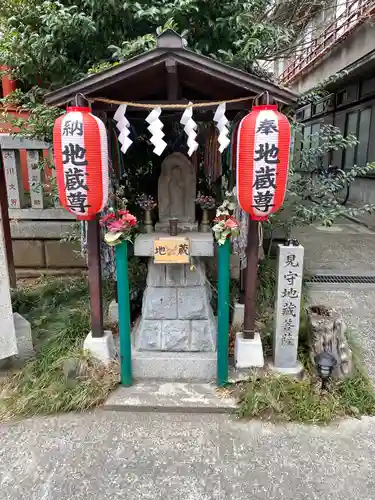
(107, 455)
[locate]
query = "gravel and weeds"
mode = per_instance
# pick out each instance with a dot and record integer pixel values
(279, 398)
(59, 313)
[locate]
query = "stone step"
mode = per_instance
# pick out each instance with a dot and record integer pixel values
(177, 366)
(170, 397)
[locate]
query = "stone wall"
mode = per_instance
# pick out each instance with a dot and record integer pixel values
(36, 239)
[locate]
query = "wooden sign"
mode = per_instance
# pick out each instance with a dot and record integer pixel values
(172, 251)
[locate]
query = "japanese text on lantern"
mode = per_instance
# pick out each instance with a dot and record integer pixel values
(172, 251)
(75, 163)
(265, 163)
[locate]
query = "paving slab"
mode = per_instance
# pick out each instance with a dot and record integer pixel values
(356, 304)
(345, 248)
(106, 455)
(162, 396)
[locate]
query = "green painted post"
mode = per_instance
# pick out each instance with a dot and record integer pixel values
(223, 314)
(124, 313)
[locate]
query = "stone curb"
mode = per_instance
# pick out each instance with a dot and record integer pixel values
(358, 221)
(169, 409)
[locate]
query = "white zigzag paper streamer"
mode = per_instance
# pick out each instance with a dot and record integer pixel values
(123, 125)
(190, 127)
(221, 124)
(155, 128)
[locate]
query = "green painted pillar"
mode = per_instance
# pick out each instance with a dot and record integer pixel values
(124, 313)
(223, 313)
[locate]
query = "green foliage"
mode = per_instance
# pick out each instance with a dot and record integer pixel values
(300, 206)
(102, 66)
(46, 43)
(59, 313)
(41, 118)
(321, 90)
(278, 398)
(58, 310)
(274, 397)
(52, 43)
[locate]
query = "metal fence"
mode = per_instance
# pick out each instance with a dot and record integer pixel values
(354, 14)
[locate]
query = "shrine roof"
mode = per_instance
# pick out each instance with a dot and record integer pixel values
(171, 73)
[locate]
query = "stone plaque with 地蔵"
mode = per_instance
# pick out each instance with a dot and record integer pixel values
(172, 251)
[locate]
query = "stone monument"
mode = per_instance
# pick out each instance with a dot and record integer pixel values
(8, 339)
(288, 304)
(175, 337)
(176, 193)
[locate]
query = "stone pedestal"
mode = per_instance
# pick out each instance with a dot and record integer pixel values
(24, 337)
(182, 226)
(176, 335)
(288, 304)
(113, 312)
(238, 314)
(248, 352)
(103, 348)
(8, 340)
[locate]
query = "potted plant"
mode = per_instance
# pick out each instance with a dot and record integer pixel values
(206, 203)
(147, 203)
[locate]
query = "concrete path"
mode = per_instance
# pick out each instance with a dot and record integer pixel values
(356, 304)
(345, 248)
(107, 455)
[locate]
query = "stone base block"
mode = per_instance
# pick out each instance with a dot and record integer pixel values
(248, 353)
(239, 314)
(28, 253)
(177, 366)
(63, 254)
(102, 348)
(182, 227)
(294, 371)
(113, 312)
(24, 337)
(176, 335)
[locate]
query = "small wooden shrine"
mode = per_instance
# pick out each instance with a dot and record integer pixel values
(176, 337)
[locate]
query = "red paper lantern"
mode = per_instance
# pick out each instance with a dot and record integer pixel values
(81, 160)
(263, 142)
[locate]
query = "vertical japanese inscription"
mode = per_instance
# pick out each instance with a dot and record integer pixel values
(265, 164)
(290, 269)
(35, 179)
(75, 163)
(12, 179)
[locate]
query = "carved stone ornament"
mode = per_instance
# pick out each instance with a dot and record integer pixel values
(327, 333)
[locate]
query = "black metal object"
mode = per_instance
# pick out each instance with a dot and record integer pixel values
(338, 278)
(291, 242)
(173, 226)
(325, 363)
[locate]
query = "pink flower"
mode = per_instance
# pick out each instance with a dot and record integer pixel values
(106, 218)
(115, 226)
(123, 211)
(231, 223)
(129, 219)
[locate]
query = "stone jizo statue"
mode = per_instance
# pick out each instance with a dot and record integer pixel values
(177, 189)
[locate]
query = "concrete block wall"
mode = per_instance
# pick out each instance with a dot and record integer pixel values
(36, 240)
